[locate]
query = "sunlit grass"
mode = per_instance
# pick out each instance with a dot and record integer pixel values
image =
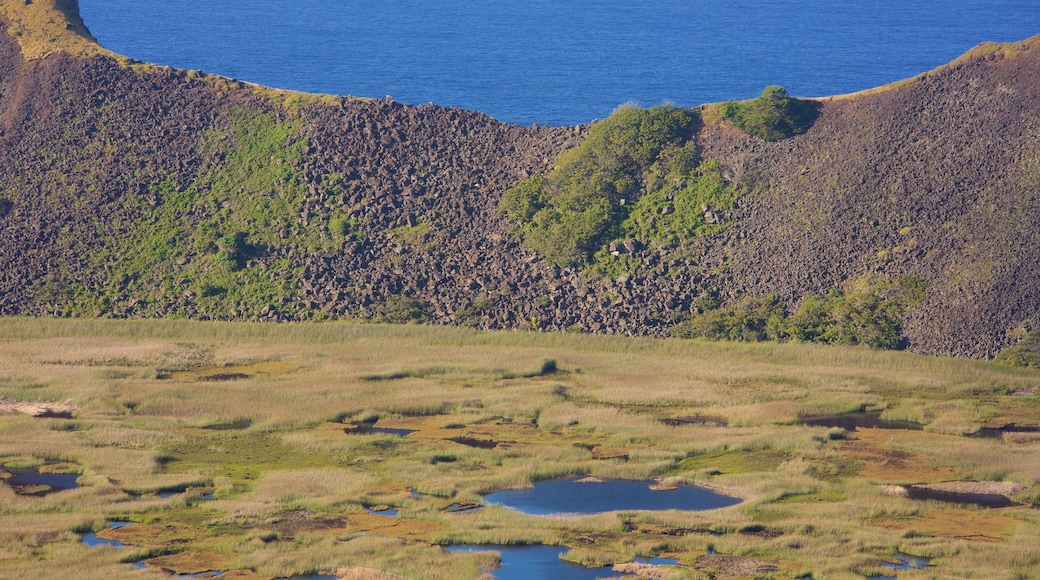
(256, 415)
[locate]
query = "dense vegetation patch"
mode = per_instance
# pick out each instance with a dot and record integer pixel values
(869, 313)
(222, 242)
(636, 178)
(1024, 353)
(774, 115)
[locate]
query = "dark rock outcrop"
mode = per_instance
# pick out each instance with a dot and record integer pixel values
(936, 178)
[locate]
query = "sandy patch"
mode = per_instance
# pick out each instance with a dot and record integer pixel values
(666, 484)
(37, 408)
(643, 570)
(359, 573)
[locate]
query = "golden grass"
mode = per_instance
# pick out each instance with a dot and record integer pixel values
(257, 415)
(45, 27)
(985, 50)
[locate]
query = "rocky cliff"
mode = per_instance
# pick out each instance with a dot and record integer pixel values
(130, 190)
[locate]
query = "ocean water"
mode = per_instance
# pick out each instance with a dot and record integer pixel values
(558, 62)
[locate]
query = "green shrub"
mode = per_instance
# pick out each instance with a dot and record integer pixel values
(750, 319)
(346, 228)
(402, 310)
(581, 204)
(675, 212)
(52, 289)
(476, 312)
(774, 115)
(206, 290)
(1024, 353)
(232, 251)
(868, 313)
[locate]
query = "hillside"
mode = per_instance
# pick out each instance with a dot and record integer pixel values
(128, 190)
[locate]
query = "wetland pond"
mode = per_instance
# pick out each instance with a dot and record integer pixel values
(369, 428)
(570, 496)
(986, 500)
(873, 420)
(29, 481)
(531, 561)
(91, 538)
(865, 419)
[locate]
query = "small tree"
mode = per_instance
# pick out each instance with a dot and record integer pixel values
(774, 115)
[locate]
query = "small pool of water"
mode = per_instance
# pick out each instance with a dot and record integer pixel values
(476, 443)
(93, 541)
(852, 421)
(371, 429)
(999, 432)
(567, 496)
(908, 562)
(462, 508)
(657, 561)
(33, 483)
(980, 499)
(390, 512)
(536, 561)
(91, 538)
(169, 494)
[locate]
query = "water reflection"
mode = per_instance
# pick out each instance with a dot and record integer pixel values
(370, 429)
(535, 561)
(567, 496)
(908, 562)
(999, 432)
(987, 500)
(29, 481)
(866, 419)
(92, 540)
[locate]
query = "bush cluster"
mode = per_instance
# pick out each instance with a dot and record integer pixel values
(636, 176)
(869, 313)
(1024, 353)
(774, 115)
(400, 309)
(568, 214)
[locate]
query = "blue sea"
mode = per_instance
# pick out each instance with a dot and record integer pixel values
(558, 62)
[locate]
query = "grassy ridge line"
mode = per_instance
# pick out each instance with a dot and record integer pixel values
(985, 50)
(796, 354)
(46, 27)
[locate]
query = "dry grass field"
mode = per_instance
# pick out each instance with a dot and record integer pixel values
(227, 446)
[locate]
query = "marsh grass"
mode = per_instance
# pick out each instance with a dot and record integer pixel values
(256, 414)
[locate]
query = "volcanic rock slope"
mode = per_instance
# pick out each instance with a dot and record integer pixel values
(138, 191)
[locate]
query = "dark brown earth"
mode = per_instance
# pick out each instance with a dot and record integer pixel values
(936, 178)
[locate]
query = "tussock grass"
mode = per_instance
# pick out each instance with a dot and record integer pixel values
(290, 486)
